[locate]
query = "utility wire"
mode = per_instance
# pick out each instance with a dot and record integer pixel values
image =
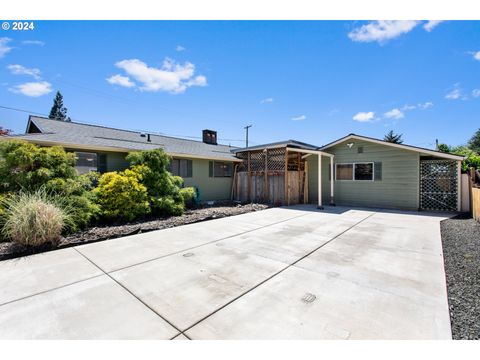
(77, 120)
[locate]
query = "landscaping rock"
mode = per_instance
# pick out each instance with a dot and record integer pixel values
(461, 249)
(10, 250)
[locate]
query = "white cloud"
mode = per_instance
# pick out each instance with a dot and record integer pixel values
(455, 94)
(267, 100)
(33, 89)
(180, 48)
(421, 106)
(409, 107)
(476, 93)
(394, 114)
(299, 118)
(22, 70)
(172, 77)
(33, 42)
(425, 105)
(476, 55)
(199, 80)
(382, 31)
(120, 80)
(4, 48)
(364, 116)
(429, 25)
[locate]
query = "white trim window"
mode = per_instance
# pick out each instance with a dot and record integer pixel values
(85, 162)
(361, 171)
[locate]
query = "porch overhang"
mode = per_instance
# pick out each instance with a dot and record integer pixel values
(319, 153)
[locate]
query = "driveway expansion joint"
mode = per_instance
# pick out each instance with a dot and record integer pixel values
(131, 293)
(278, 273)
(204, 244)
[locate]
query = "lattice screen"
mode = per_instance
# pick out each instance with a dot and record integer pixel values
(275, 160)
(438, 185)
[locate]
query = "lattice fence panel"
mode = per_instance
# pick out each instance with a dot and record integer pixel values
(257, 161)
(276, 159)
(243, 165)
(438, 185)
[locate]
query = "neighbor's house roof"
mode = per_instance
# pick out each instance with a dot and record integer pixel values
(74, 135)
(281, 144)
(399, 146)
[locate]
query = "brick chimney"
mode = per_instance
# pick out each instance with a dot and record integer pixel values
(209, 137)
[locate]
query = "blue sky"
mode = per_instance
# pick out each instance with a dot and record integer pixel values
(311, 81)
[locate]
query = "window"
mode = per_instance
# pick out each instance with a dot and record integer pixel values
(364, 171)
(354, 171)
(220, 169)
(181, 167)
(85, 162)
(344, 172)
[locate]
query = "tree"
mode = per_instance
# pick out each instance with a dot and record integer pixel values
(393, 138)
(5, 132)
(474, 143)
(58, 111)
(443, 148)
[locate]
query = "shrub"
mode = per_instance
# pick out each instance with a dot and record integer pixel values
(121, 196)
(77, 195)
(163, 188)
(27, 167)
(189, 196)
(33, 219)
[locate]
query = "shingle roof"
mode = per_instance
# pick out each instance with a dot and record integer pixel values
(401, 146)
(78, 135)
(286, 143)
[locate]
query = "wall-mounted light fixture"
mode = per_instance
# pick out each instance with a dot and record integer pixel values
(350, 145)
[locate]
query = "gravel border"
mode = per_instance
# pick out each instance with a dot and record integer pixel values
(9, 250)
(461, 250)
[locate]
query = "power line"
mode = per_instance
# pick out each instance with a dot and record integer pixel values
(77, 120)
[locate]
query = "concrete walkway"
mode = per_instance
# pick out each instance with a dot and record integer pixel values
(282, 273)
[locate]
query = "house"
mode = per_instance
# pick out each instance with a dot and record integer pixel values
(205, 164)
(353, 171)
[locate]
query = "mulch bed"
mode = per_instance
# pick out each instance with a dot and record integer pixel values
(461, 250)
(9, 250)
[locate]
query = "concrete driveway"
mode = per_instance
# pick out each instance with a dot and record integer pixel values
(282, 273)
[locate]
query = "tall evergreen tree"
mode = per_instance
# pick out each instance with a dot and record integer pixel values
(474, 143)
(58, 111)
(393, 138)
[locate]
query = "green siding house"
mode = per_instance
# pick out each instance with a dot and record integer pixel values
(352, 171)
(374, 173)
(205, 164)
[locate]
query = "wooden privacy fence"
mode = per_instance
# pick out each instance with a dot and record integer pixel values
(476, 203)
(475, 193)
(275, 176)
(271, 189)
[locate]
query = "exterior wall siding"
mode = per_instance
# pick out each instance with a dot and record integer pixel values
(399, 187)
(211, 188)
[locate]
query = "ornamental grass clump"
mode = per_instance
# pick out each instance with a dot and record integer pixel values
(33, 219)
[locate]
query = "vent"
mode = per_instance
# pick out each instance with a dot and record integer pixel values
(360, 149)
(209, 137)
